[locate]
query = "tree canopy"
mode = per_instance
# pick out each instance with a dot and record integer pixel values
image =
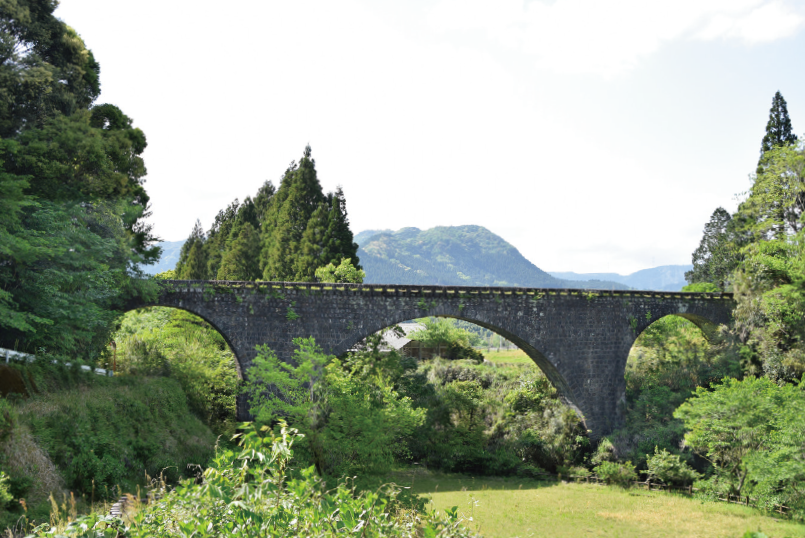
(281, 234)
(73, 203)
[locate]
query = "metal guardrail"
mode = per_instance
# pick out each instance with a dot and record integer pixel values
(9, 355)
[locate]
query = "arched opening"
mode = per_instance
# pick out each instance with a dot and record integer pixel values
(177, 343)
(491, 409)
(668, 360)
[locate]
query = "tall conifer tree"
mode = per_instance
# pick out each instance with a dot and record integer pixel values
(192, 264)
(240, 262)
(261, 200)
(778, 129)
(312, 255)
(339, 239)
(291, 208)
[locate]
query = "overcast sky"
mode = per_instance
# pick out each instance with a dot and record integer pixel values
(593, 135)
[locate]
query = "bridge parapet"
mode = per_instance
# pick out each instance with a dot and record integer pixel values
(400, 289)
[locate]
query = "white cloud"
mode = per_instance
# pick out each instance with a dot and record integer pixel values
(611, 37)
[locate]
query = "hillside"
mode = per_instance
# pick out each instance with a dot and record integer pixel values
(662, 278)
(453, 255)
(170, 255)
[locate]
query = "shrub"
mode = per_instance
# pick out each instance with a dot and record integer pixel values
(669, 469)
(619, 474)
(604, 452)
(573, 472)
(250, 492)
(459, 351)
(522, 401)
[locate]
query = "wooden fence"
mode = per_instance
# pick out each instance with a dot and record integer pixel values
(689, 490)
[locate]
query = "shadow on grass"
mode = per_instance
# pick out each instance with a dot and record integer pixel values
(422, 481)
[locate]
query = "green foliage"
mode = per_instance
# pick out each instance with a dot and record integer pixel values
(241, 261)
(776, 199)
(177, 344)
(443, 332)
(46, 70)
(717, 255)
(170, 274)
(282, 235)
(669, 359)
(768, 316)
(752, 433)
(522, 400)
(5, 492)
(669, 469)
(345, 272)
(71, 281)
(290, 313)
(251, 491)
(192, 264)
(701, 287)
(778, 129)
(71, 183)
(352, 421)
(619, 474)
(113, 431)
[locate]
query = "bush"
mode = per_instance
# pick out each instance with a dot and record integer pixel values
(522, 401)
(459, 351)
(619, 474)
(669, 469)
(250, 492)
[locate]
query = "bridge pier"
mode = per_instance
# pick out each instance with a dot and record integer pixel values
(579, 338)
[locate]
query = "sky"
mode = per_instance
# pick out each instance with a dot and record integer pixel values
(593, 135)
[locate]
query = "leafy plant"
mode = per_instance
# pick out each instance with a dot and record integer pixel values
(352, 421)
(345, 272)
(252, 491)
(669, 469)
(291, 314)
(619, 474)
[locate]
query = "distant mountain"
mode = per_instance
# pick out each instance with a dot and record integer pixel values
(662, 278)
(170, 255)
(453, 255)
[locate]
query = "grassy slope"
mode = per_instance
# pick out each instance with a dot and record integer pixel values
(506, 507)
(108, 430)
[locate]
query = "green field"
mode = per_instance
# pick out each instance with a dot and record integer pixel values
(508, 507)
(508, 356)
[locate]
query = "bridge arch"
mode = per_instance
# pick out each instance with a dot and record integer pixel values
(210, 322)
(547, 368)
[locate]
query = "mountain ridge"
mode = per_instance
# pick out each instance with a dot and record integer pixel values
(467, 255)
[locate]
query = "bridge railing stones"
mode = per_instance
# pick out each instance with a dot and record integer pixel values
(400, 289)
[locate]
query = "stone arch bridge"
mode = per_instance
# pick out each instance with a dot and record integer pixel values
(579, 338)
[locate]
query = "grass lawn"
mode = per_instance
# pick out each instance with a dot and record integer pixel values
(508, 507)
(510, 356)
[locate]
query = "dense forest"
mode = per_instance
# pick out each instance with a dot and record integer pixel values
(724, 411)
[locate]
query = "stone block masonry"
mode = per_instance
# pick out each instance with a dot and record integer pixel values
(579, 338)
